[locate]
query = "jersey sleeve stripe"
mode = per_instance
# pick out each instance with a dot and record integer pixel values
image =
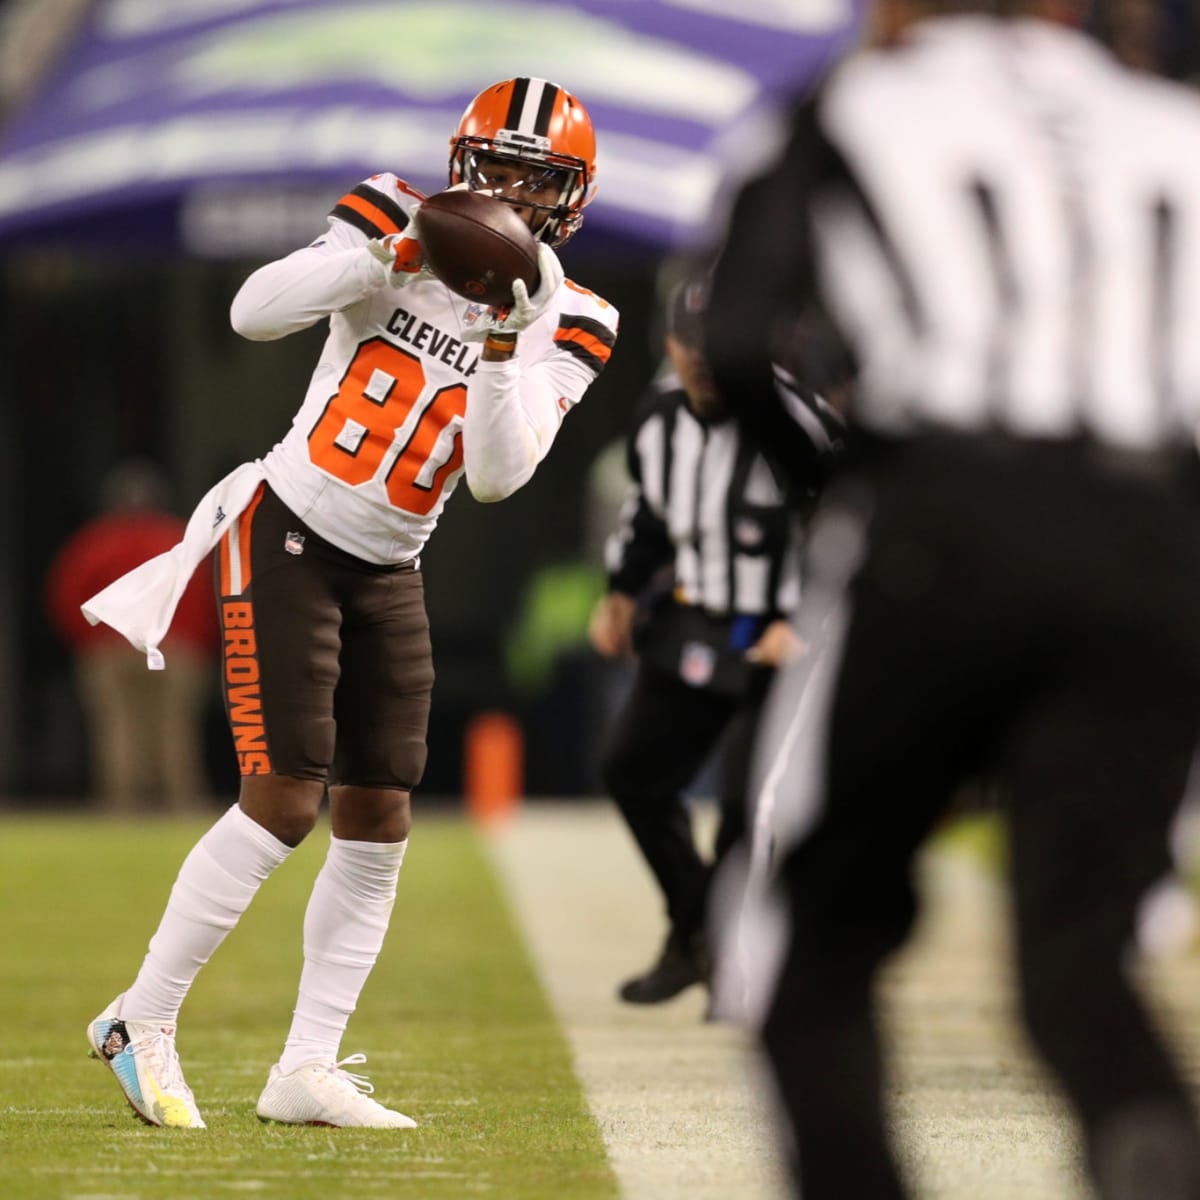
(589, 325)
(384, 203)
(582, 337)
(370, 216)
(584, 355)
(344, 212)
(571, 325)
(584, 344)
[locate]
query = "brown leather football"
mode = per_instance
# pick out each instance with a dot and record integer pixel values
(477, 246)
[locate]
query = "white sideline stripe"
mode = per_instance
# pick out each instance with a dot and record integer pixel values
(680, 1112)
(681, 1118)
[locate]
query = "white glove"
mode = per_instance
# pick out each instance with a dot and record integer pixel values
(525, 309)
(402, 253)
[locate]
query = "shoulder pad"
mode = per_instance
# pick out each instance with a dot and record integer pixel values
(379, 206)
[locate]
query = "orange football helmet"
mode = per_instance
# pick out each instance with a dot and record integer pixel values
(547, 132)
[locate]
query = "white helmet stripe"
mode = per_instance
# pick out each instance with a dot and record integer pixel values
(532, 106)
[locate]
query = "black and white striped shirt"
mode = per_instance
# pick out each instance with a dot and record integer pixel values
(703, 499)
(1005, 225)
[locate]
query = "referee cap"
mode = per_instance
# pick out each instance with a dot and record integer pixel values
(685, 310)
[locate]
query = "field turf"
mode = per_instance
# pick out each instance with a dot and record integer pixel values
(456, 1028)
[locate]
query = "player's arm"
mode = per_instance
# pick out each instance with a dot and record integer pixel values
(363, 249)
(762, 283)
(297, 291)
(778, 644)
(641, 544)
(638, 548)
(512, 419)
(610, 626)
(515, 409)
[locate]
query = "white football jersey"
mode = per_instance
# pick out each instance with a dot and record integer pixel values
(399, 407)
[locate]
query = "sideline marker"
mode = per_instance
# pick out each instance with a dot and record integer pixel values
(493, 767)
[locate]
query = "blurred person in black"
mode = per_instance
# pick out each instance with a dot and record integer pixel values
(702, 577)
(1005, 224)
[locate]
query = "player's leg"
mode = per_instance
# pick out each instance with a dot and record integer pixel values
(851, 902)
(736, 764)
(1097, 776)
(660, 741)
(113, 738)
(900, 713)
(182, 773)
(382, 712)
(280, 634)
(731, 904)
(140, 703)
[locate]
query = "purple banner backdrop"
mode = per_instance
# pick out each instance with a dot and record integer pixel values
(225, 127)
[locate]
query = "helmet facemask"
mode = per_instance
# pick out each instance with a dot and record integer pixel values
(552, 185)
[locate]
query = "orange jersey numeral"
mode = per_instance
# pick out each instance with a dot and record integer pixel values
(600, 300)
(382, 394)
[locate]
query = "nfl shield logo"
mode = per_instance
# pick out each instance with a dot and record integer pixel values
(294, 543)
(696, 663)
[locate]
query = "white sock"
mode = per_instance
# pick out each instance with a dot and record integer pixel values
(344, 927)
(214, 887)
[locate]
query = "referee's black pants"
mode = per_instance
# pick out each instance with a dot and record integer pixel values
(662, 738)
(1032, 613)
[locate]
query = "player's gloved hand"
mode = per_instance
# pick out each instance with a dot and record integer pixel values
(402, 253)
(525, 309)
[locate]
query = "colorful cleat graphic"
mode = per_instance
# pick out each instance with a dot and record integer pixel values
(141, 1054)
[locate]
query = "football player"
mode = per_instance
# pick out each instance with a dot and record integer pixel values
(327, 668)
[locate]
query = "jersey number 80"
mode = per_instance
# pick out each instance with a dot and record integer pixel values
(383, 402)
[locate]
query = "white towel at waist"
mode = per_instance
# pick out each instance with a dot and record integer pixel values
(141, 604)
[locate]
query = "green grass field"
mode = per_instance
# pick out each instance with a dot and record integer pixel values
(457, 1030)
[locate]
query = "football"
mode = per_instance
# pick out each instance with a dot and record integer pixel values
(477, 246)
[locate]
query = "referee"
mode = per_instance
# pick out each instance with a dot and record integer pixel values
(702, 578)
(1005, 224)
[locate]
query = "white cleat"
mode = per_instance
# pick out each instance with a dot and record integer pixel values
(322, 1093)
(141, 1054)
